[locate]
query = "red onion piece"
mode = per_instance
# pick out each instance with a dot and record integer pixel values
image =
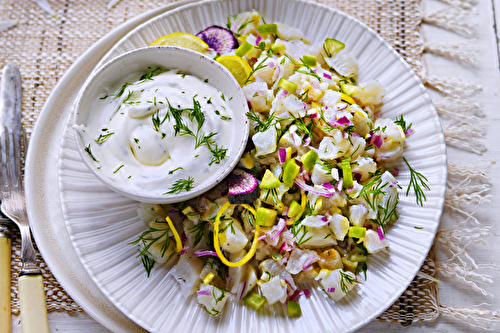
(205, 253)
(279, 229)
(282, 155)
(313, 190)
(204, 292)
(380, 233)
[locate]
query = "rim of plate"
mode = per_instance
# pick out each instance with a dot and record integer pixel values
(441, 168)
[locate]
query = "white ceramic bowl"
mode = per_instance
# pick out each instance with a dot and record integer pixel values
(165, 57)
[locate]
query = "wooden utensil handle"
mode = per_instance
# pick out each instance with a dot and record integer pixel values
(5, 311)
(33, 306)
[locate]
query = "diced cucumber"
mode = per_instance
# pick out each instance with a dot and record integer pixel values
(269, 181)
(294, 209)
(287, 85)
(347, 172)
(350, 89)
(290, 171)
(357, 232)
(254, 300)
(266, 217)
(278, 47)
(270, 28)
(310, 60)
(308, 159)
(332, 46)
(243, 49)
(293, 309)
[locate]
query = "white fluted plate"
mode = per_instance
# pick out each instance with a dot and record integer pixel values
(101, 223)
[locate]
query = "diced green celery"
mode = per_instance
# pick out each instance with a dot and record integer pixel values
(270, 28)
(287, 85)
(254, 300)
(308, 159)
(294, 209)
(347, 172)
(357, 232)
(350, 89)
(290, 171)
(332, 46)
(269, 181)
(243, 49)
(266, 217)
(310, 60)
(293, 309)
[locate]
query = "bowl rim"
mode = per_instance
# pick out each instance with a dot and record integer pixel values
(203, 186)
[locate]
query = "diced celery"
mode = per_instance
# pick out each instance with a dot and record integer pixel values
(269, 181)
(347, 172)
(293, 309)
(270, 28)
(243, 49)
(287, 85)
(254, 300)
(357, 232)
(266, 217)
(290, 171)
(309, 158)
(294, 209)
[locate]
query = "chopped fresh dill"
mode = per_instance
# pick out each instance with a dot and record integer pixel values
(199, 231)
(88, 151)
(148, 75)
(418, 182)
(171, 172)
(181, 185)
(259, 66)
(225, 118)
(103, 137)
(117, 169)
(402, 122)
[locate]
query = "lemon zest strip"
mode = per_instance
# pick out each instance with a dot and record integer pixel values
(178, 243)
(347, 98)
(255, 242)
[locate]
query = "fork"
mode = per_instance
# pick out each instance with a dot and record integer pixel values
(13, 205)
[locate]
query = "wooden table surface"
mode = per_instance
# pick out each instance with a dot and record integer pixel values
(486, 74)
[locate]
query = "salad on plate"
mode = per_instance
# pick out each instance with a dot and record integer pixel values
(315, 192)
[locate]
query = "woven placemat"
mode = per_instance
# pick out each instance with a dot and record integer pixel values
(44, 47)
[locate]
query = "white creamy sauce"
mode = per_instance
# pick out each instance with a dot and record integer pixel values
(131, 131)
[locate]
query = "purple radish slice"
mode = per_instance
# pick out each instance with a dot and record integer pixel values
(243, 187)
(220, 39)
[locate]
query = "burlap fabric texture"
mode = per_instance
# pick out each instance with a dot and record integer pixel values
(44, 47)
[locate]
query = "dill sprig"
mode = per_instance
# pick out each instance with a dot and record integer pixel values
(103, 137)
(418, 182)
(345, 281)
(259, 66)
(147, 240)
(181, 185)
(262, 125)
(402, 122)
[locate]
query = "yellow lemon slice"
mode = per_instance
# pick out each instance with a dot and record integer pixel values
(182, 39)
(240, 69)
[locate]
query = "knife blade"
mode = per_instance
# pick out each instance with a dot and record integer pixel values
(31, 291)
